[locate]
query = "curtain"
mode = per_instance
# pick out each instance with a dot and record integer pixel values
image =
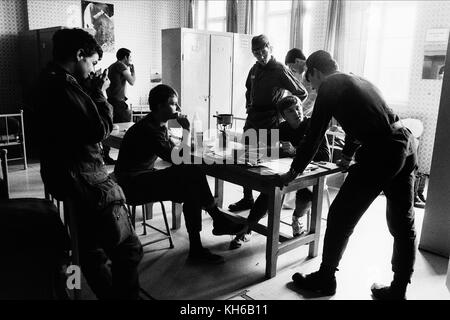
(249, 16)
(190, 14)
(231, 9)
(334, 38)
(297, 15)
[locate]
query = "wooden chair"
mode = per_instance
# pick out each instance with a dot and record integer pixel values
(11, 136)
(147, 213)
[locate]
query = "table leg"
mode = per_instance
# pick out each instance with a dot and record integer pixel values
(176, 215)
(273, 228)
(316, 216)
(218, 192)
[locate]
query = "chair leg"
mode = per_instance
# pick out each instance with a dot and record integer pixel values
(166, 222)
(144, 219)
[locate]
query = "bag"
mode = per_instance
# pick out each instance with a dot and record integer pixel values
(112, 219)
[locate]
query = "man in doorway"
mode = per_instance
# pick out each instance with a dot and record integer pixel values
(385, 161)
(266, 84)
(74, 118)
(120, 72)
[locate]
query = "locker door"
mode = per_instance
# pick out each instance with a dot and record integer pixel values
(195, 76)
(221, 75)
(243, 61)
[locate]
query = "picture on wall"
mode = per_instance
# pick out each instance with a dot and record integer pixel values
(100, 17)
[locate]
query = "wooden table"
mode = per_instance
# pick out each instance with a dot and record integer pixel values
(264, 180)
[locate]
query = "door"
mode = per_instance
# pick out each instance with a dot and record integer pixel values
(195, 76)
(221, 76)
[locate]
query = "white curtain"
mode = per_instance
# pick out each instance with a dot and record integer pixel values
(249, 16)
(231, 9)
(334, 37)
(297, 17)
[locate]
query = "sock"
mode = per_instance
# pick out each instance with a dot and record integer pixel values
(400, 283)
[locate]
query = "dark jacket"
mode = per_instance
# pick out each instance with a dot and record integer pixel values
(361, 111)
(265, 87)
(72, 123)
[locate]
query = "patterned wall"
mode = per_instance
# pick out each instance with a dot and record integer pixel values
(12, 21)
(137, 26)
(425, 94)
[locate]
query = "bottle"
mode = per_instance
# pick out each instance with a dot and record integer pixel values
(197, 132)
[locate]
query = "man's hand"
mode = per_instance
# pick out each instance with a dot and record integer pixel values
(287, 148)
(287, 177)
(184, 122)
(344, 162)
(132, 68)
(100, 80)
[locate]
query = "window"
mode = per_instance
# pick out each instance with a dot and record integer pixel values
(211, 15)
(379, 45)
(273, 18)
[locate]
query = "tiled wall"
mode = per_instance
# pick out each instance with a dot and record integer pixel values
(12, 21)
(137, 26)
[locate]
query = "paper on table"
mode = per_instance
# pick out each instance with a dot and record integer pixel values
(283, 165)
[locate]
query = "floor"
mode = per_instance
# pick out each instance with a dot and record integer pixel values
(166, 274)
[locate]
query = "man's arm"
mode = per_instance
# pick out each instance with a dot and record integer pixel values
(87, 114)
(130, 75)
(248, 85)
(291, 83)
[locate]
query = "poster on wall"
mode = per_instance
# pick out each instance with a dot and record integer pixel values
(100, 17)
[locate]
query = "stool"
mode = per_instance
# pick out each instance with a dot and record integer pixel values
(146, 211)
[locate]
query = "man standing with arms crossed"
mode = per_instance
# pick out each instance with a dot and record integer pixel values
(266, 84)
(120, 72)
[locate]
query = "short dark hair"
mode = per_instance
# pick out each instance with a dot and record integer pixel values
(293, 54)
(287, 102)
(160, 94)
(322, 61)
(122, 53)
(260, 42)
(66, 43)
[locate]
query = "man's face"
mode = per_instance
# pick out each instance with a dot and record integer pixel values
(86, 65)
(262, 55)
(170, 109)
(298, 66)
(128, 60)
(293, 116)
(314, 77)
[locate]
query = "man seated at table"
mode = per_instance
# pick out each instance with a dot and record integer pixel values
(142, 144)
(292, 131)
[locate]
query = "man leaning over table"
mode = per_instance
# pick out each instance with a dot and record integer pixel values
(292, 131)
(385, 161)
(142, 183)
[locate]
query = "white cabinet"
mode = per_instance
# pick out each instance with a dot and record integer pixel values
(202, 66)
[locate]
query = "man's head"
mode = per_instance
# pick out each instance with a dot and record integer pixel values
(261, 49)
(295, 60)
(124, 55)
(291, 109)
(319, 65)
(77, 50)
(163, 101)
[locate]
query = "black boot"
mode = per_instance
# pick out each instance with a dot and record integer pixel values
(322, 281)
(396, 291)
(421, 186)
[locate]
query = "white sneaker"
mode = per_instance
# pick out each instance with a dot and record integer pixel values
(297, 227)
(239, 240)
